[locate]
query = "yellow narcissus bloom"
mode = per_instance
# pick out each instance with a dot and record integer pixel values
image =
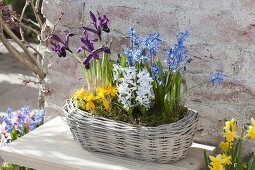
(217, 162)
(225, 146)
(227, 159)
(217, 167)
(251, 132)
(79, 93)
(106, 103)
(100, 92)
(110, 90)
(89, 97)
(230, 125)
(90, 106)
(229, 135)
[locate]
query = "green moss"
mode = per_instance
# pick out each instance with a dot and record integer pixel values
(151, 117)
(9, 166)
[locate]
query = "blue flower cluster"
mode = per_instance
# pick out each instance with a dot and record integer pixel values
(134, 39)
(37, 118)
(155, 70)
(141, 51)
(216, 77)
(7, 120)
(151, 43)
(177, 55)
(22, 121)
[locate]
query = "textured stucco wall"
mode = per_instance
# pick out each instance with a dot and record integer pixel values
(222, 38)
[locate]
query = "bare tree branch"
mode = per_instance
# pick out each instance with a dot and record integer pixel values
(18, 55)
(30, 28)
(36, 13)
(32, 22)
(34, 49)
(20, 19)
(54, 27)
(19, 42)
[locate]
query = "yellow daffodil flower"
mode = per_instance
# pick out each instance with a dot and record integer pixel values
(217, 167)
(100, 92)
(106, 103)
(229, 135)
(90, 105)
(110, 90)
(227, 159)
(89, 97)
(217, 162)
(79, 93)
(251, 132)
(230, 125)
(225, 146)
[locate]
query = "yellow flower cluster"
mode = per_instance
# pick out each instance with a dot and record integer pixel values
(218, 162)
(90, 98)
(221, 161)
(251, 130)
(230, 131)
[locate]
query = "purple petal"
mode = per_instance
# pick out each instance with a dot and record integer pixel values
(95, 54)
(62, 52)
(104, 49)
(57, 38)
(89, 29)
(93, 18)
(81, 48)
(103, 19)
(87, 60)
(87, 42)
(67, 38)
(55, 47)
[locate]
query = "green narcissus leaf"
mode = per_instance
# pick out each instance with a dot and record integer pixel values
(167, 102)
(123, 61)
(206, 161)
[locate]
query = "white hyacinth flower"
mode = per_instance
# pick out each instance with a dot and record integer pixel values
(144, 86)
(133, 87)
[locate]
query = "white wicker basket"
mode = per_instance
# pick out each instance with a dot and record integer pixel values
(164, 143)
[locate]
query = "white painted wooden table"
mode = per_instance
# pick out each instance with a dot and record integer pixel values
(51, 147)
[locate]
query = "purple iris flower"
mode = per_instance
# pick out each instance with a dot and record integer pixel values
(60, 46)
(100, 24)
(89, 47)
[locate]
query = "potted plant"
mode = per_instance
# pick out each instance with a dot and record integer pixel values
(132, 106)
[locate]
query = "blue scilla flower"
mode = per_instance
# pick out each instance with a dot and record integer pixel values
(9, 112)
(129, 55)
(9, 125)
(176, 56)
(37, 118)
(181, 37)
(131, 32)
(154, 69)
(159, 80)
(135, 55)
(134, 39)
(25, 109)
(216, 77)
(151, 43)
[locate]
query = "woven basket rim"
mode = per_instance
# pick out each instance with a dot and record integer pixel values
(190, 114)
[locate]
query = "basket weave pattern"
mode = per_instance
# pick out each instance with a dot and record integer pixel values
(163, 143)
